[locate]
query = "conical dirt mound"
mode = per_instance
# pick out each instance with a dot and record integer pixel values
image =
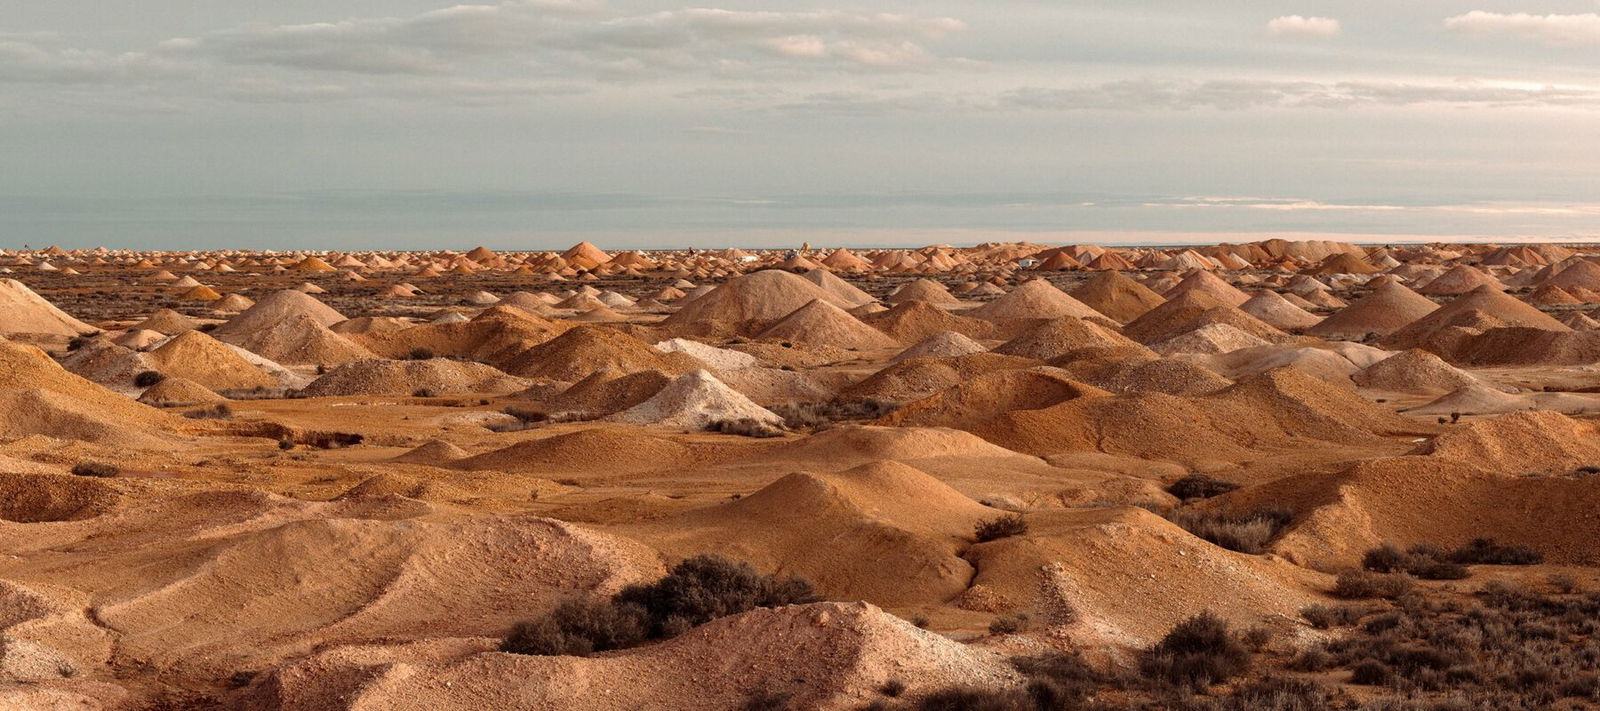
(824, 324)
(24, 312)
(694, 401)
(1121, 299)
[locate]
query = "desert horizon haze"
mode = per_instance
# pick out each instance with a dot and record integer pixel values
(536, 123)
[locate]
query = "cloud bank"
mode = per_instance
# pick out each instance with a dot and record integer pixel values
(1555, 29)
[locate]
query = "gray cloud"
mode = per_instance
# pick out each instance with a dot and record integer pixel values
(1233, 95)
(29, 62)
(1557, 29)
(554, 38)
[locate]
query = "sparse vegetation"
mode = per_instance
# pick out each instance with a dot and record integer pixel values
(768, 701)
(822, 415)
(1010, 624)
(420, 353)
(1430, 562)
(744, 427)
(1248, 534)
(1198, 652)
(579, 628)
(148, 378)
(98, 470)
(1513, 649)
(1364, 585)
(1485, 551)
(1200, 486)
(1325, 617)
(995, 529)
(696, 591)
(423, 392)
(1422, 561)
(260, 393)
(219, 411)
(705, 587)
(526, 418)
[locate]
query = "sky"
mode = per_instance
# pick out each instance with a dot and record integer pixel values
(532, 124)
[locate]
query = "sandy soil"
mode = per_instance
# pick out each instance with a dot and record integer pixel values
(342, 500)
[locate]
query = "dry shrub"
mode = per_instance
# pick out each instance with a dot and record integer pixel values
(822, 415)
(219, 411)
(1248, 534)
(1325, 617)
(768, 701)
(696, 591)
(705, 587)
(1430, 562)
(97, 470)
(1200, 486)
(579, 628)
(1010, 624)
(147, 378)
(1485, 551)
(744, 427)
(1364, 584)
(995, 529)
(259, 393)
(1197, 653)
(1422, 560)
(526, 419)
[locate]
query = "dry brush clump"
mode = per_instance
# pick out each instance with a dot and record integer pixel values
(822, 415)
(1200, 486)
(1325, 617)
(1177, 674)
(744, 427)
(1485, 551)
(524, 419)
(1198, 652)
(1365, 585)
(995, 529)
(1251, 533)
(1430, 562)
(1011, 624)
(219, 411)
(696, 591)
(98, 470)
(1509, 647)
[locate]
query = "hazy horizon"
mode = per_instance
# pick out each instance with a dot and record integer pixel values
(533, 124)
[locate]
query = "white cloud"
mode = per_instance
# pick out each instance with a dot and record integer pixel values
(1150, 95)
(1299, 26)
(34, 63)
(553, 38)
(1557, 29)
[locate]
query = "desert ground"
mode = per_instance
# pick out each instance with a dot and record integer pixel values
(1276, 475)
